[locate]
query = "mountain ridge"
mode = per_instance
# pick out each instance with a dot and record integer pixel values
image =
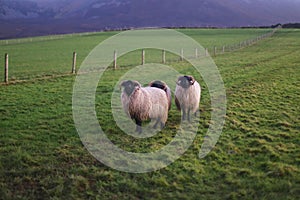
(21, 18)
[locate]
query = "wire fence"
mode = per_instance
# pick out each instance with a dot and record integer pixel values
(43, 38)
(216, 50)
(140, 57)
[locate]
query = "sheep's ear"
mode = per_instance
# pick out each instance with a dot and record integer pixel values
(179, 80)
(123, 84)
(192, 80)
(136, 84)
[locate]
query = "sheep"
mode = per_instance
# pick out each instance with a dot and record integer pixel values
(143, 103)
(187, 96)
(162, 85)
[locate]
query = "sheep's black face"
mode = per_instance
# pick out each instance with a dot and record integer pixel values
(158, 84)
(129, 86)
(186, 81)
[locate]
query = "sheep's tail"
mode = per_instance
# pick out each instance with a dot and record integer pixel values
(177, 103)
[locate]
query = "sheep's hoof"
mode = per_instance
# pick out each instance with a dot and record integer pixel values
(197, 112)
(189, 118)
(138, 129)
(162, 125)
(155, 125)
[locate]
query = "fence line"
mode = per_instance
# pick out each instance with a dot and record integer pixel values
(62, 36)
(44, 38)
(216, 50)
(212, 51)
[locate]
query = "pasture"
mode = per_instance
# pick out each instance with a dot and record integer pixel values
(256, 157)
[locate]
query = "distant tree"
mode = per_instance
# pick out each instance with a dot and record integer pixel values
(276, 25)
(291, 25)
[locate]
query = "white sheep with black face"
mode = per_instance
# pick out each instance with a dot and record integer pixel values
(143, 103)
(162, 85)
(187, 96)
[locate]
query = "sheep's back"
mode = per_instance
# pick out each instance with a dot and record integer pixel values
(159, 103)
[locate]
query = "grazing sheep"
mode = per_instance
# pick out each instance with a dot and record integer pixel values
(162, 85)
(187, 96)
(143, 103)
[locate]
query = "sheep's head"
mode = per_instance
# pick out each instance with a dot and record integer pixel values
(130, 86)
(159, 84)
(185, 81)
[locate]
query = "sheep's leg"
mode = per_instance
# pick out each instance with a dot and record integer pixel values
(156, 123)
(183, 115)
(197, 112)
(162, 125)
(189, 115)
(138, 126)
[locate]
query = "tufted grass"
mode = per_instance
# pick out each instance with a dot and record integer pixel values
(256, 157)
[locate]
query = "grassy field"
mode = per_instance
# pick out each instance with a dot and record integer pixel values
(256, 157)
(49, 56)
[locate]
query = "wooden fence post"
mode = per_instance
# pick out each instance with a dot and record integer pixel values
(181, 55)
(74, 63)
(206, 52)
(6, 69)
(143, 56)
(163, 56)
(115, 59)
(223, 49)
(215, 51)
(196, 53)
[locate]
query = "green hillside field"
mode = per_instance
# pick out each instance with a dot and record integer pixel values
(256, 157)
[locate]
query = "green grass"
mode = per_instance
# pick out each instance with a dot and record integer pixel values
(220, 37)
(50, 57)
(256, 157)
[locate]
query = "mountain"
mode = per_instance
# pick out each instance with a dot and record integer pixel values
(20, 18)
(23, 9)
